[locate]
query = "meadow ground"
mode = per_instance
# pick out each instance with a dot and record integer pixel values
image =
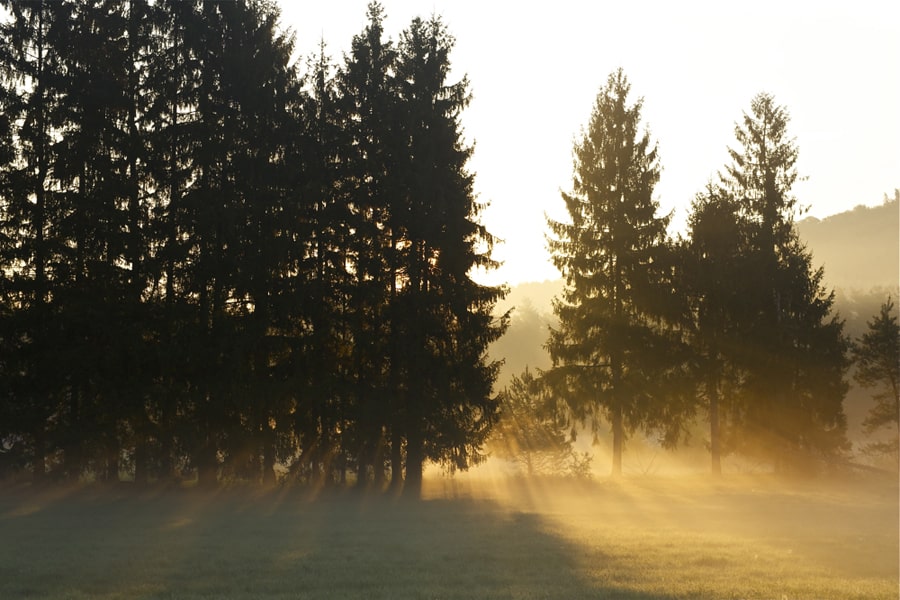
(638, 538)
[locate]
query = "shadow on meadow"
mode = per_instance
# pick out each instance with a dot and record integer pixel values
(635, 539)
(245, 544)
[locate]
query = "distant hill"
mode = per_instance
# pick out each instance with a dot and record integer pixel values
(860, 249)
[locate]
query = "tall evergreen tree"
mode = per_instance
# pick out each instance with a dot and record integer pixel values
(170, 75)
(257, 100)
(323, 218)
(368, 110)
(877, 355)
(101, 170)
(11, 424)
(713, 280)
(33, 209)
(245, 90)
(610, 350)
(449, 406)
(794, 350)
(445, 321)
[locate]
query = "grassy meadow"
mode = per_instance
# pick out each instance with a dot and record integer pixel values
(638, 538)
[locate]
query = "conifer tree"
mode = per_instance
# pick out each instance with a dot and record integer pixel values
(367, 107)
(533, 431)
(877, 355)
(794, 348)
(446, 319)
(32, 210)
(713, 281)
(169, 74)
(610, 350)
(264, 92)
(322, 217)
(100, 167)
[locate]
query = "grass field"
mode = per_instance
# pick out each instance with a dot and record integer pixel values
(640, 538)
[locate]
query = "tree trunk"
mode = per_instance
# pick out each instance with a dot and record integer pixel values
(112, 466)
(715, 441)
(207, 465)
(39, 469)
(415, 459)
(396, 461)
(269, 479)
(378, 462)
(618, 431)
(362, 467)
(73, 459)
(140, 461)
(167, 439)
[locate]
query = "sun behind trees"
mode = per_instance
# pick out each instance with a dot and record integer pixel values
(212, 264)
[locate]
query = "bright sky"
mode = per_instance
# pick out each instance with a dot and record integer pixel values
(535, 70)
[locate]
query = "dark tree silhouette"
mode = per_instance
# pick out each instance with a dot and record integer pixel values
(212, 264)
(443, 318)
(33, 209)
(713, 280)
(368, 104)
(877, 355)
(320, 331)
(794, 350)
(611, 352)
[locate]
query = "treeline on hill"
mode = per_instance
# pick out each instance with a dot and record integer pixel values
(213, 263)
(732, 324)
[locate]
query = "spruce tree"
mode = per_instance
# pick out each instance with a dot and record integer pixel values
(610, 351)
(100, 168)
(533, 432)
(32, 211)
(713, 282)
(445, 318)
(322, 218)
(367, 107)
(794, 348)
(877, 355)
(169, 139)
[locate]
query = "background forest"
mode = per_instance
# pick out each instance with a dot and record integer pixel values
(218, 263)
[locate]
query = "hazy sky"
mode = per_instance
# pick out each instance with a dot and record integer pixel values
(535, 70)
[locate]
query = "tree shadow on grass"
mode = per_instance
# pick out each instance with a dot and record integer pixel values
(244, 544)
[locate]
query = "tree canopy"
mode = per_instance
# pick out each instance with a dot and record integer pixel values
(213, 263)
(877, 354)
(610, 351)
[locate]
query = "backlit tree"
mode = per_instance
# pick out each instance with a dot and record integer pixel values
(877, 355)
(793, 348)
(611, 351)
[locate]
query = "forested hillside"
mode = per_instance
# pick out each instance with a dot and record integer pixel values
(860, 249)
